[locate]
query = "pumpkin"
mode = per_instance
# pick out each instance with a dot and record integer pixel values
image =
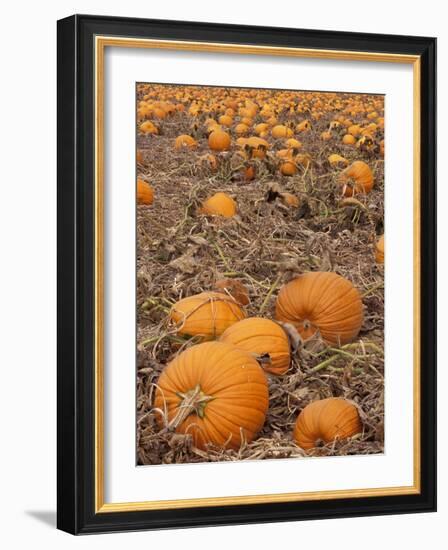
(348, 139)
(289, 199)
(337, 160)
(354, 130)
(207, 314)
(145, 193)
(148, 127)
(356, 178)
(219, 140)
(326, 420)
(219, 204)
(263, 338)
(261, 128)
(303, 126)
(288, 168)
(241, 129)
(225, 120)
(234, 288)
(185, 140)
(321, 302)
(379, 250)
(281, 131)
(325, 136)
(292, 143)
(139, 157)
(216, 393)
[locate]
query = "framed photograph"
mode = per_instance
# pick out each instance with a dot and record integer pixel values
(246, 274)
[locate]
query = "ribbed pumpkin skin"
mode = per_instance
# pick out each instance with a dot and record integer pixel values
(326, 420)
(207, 314)
(219, 140)
(261, 336)
(357, 178)
(220, 204)
(232, 378)
(379, 252)
(145, 193)
(321, 301)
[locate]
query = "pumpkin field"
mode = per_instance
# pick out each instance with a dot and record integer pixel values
(260, 274)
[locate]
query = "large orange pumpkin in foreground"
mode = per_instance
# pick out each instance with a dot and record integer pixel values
(215, 392)
(326, 420)
(356, 178)
(207, 314)
(264, 338)
(145, 193)
(219, 204)
(321, 302)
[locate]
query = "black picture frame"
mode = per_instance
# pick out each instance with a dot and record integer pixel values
(76, 397)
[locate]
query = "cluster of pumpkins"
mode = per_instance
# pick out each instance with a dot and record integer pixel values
(248, 121)
(217, 390)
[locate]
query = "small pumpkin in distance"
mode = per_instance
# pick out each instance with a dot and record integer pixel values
(206, 315)
(148, 127)
(288, 168)
(215, 392)
(185, 141)
(304, 126)
(145, 193)
(219, 204)
(356, 178)
(348, 139)
(263, 338)
(379, 250)
(326, 420)
(337, 160)
(281, 131)
(289, 199)
(321, 302)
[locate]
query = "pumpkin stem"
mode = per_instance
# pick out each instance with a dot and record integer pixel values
(193, 401)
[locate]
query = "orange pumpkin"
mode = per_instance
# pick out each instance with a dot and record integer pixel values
(215, 392)
(219, 140)
(292, 143)
(281, 131)
(303, 126)
(186, 141)
(379, 252)
(290, 200)
(263, 338)
(348, 139)
(326, 420)
(145, 193)
(288, 168)
(207, 314)
(324, 303)
(356, 178)
(148, 127)
(337, 160)
(219, 204)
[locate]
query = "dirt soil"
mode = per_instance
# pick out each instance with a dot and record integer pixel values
(181, 252)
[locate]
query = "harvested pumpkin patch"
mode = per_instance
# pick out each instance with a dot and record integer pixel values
(257, 200)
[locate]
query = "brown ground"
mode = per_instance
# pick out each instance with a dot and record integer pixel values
(181, 253)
